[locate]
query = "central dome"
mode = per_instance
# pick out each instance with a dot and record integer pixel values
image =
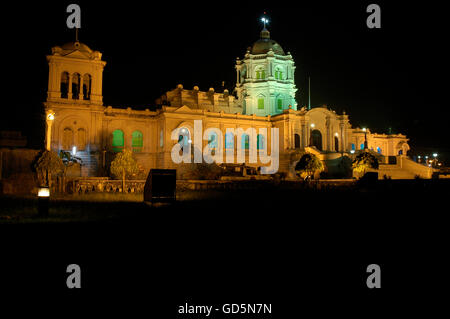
(263, 45)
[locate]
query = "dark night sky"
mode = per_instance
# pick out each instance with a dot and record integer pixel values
(391, 77)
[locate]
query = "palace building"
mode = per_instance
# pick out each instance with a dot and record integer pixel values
(264, 97)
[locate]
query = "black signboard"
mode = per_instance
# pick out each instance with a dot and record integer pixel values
(161, 186)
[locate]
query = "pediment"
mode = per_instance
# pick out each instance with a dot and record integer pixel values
(77, 55)
(183, 109)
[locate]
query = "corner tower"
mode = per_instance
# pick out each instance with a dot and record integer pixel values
(75, 74)
(265, 78)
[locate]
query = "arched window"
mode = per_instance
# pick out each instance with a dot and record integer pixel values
(260, 142)
(362, 146)
(87, 79)
(67, 140)
(336, 144)
(117, 141)
(183, 138)
(245, 142)
(212, 141)
(137, 142)
(278, 74)
(229, 141)
(76, 81)
(64, 86)
(260, 103)
(297, 140)
(260, 73)
(279, 104)
(353, 146)
(316, 139)
(81, 143)
(379, 150)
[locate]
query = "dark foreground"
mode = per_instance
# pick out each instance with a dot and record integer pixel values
(301, 249)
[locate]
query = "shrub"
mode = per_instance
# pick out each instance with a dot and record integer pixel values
(363, 162)
(308, 165)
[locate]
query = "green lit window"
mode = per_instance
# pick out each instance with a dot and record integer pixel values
(137, 141)
(260, 104)
(260, 140)
(229, 141)
(280, 75)
(117, 141)
(263, 74)
(276, 75)
(258, 75)
(280, 104)
(245, 142)
(212, 141)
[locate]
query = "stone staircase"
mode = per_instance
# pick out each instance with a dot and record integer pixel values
(394, 171)
(90, 164)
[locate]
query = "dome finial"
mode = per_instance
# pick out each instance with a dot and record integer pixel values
(265, 34)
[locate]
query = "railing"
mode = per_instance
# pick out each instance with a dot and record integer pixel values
(105, 185)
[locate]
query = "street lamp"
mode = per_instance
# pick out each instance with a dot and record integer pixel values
(43, 201)
(49, 120)
(365, 139)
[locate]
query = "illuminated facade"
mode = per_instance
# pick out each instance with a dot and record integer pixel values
(264, 97)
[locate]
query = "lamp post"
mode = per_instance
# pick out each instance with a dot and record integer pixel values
(49, 120)
(366, 147)
(435, 155)
(43, 201)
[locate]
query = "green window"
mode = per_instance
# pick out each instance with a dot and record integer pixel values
(229, 141)
(276, 74)
(280, 104)
(260, 140)
(280, 75)
(117, 141)
(137, 141)
(260, 104)
(245, 142)
(258, 75)
(212, 141)
(263, 74)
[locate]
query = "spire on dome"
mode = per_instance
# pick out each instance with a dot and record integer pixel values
(265, 34)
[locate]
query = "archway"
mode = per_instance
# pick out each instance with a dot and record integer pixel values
(316, 139)
(296, 141)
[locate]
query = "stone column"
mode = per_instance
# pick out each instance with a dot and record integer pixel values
(69, 94)
(80, 89)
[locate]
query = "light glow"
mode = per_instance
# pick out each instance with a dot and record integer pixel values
(313, 125)
(44, 192)
(74, 150)
(51, 116)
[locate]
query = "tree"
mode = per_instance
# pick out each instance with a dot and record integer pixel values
(48, 164)
(124, 165)
(308, 165)
(363, 162)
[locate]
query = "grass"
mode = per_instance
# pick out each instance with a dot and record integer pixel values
(385, 196)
